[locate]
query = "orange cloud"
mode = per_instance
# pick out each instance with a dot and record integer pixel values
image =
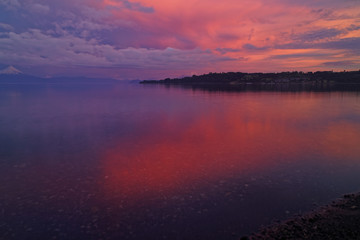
(232, 24)
(242, 35)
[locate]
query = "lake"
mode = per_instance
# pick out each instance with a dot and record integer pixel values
(131, 161)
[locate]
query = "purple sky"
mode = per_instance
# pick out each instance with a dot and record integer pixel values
(157, 39)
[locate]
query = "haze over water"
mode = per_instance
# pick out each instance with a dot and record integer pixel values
(122, 161)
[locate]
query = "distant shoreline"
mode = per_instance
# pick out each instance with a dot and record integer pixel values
(339, 220)
(239, 78)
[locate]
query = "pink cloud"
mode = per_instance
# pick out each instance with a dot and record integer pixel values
(174, 35)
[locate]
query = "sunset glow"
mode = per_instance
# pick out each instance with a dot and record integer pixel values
(156, 39)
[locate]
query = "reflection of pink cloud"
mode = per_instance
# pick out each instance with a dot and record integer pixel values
(209, 147)
(200, 153)
(253, 133)
(342, 140)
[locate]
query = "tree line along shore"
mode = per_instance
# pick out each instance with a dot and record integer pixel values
(233, 78)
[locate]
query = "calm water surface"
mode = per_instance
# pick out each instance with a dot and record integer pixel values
(118, 161)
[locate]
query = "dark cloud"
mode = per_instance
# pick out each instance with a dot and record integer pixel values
(40, 49)
(227, 50)
(353, 27)
(252, 47)
(316, 35)
(306, 55)
(346, 43)
(348, 64)
(340, 44)
(137, 7)
(321, 3)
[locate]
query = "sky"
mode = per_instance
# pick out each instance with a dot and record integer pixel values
(155, 39)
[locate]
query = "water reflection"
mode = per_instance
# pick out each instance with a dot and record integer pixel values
(253, 134)
(290, 87)
(127, 161)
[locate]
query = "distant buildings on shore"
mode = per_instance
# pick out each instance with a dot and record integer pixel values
(320, 77)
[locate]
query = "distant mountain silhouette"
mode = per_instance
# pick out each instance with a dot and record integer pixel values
(11, 74)
(11, 70)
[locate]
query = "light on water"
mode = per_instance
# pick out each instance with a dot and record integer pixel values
(117, 161)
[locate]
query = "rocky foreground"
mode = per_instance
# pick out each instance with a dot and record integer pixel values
(339, 220)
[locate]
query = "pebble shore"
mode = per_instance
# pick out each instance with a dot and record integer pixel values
(338, 220)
